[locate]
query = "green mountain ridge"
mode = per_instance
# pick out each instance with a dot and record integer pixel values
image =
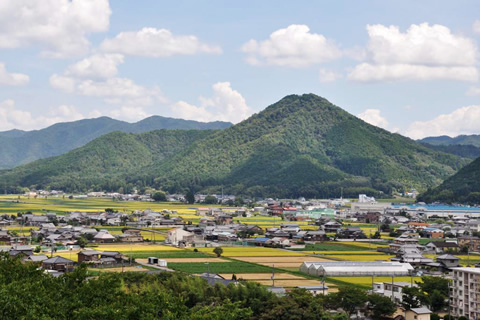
(301, 145)
(473, 140)
(103, 163)
(21, 147)
(462, 187)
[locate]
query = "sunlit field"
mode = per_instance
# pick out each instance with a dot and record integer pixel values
(253, 252)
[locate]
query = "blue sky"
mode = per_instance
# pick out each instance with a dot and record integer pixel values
(408, 66)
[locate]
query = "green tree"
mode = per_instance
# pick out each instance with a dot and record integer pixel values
(218, 251)
(381, 306)
(410, 297)
(210, 200)
(349, 298)
(159, 196)
(82, 242)
(190, 197)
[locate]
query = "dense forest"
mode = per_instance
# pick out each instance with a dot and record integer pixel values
(461, 150)
(463, 187)
(27, 292)
(21, 147)
(473, 139)
(299, 146)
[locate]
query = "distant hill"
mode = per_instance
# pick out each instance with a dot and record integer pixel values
(19, 147)
(473, 140)
(105, 162)
(301, 145)
(461, 150)
(462, 187)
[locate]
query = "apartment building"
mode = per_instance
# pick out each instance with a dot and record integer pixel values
(465, 293)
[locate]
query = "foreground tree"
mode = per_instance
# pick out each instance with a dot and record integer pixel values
(218, 251)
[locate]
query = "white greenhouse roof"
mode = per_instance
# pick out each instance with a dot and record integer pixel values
(356, 268)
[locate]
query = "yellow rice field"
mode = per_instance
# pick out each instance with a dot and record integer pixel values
(367, 281)
(253, 252)
(359, 257)
(135, 248)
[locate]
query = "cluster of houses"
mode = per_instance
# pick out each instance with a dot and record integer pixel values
(57, 265)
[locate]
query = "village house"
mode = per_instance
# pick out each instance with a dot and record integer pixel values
(104, 237)
(58, 264)
(418, 225)
(179, 237)
(131, 236)
(441, 247)
(88, 256)
(473, 243)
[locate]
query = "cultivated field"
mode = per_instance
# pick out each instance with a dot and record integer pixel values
(253, 252)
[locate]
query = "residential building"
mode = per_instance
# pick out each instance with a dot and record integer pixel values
(418, 314)
(465, 293)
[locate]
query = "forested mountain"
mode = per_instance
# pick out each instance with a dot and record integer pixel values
(473, 140)
(461, 150)
(105, 163)
(463, 187)
(301, 145)
(20, 147)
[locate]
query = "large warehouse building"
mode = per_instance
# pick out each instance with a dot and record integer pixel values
(356, 268)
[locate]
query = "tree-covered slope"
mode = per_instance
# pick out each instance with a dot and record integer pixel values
(463, 187)
(304, 145)
(103, 164)
(20, 147)
(461, 150)
(301, 145)
(473, 140)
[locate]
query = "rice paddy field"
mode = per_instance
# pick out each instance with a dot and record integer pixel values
(248, 263)
(253, 252)
(366, 282)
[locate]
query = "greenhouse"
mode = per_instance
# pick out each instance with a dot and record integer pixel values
(356, 268)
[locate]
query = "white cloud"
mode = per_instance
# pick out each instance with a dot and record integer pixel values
(12, 79)
(117, 91)
(476, 26)
(13, 118)
(473, 91)
(374, 117)
(101, 66)
(465, 120)
(151, 42)
(59, 27)
(423, 52)
(366, 72)
(328, 76)
(407, 107)
(294, 46)
(129, 113)
(226, 104)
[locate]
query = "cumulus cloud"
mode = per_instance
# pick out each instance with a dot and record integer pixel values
(374, 117)
(101, 66)
(465, 120)
(13, 118)
(151, 42)
(226, 104)
(328, 76)
(117, 91)
(294, 46)
(366, 72)
(423, 52)
(129, 113)
(59, 27)
(476, 26)
(12, 79)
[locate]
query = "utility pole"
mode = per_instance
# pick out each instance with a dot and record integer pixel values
(273, 275)
(393, 297)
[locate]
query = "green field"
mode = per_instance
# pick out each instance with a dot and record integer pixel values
(220, 267)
